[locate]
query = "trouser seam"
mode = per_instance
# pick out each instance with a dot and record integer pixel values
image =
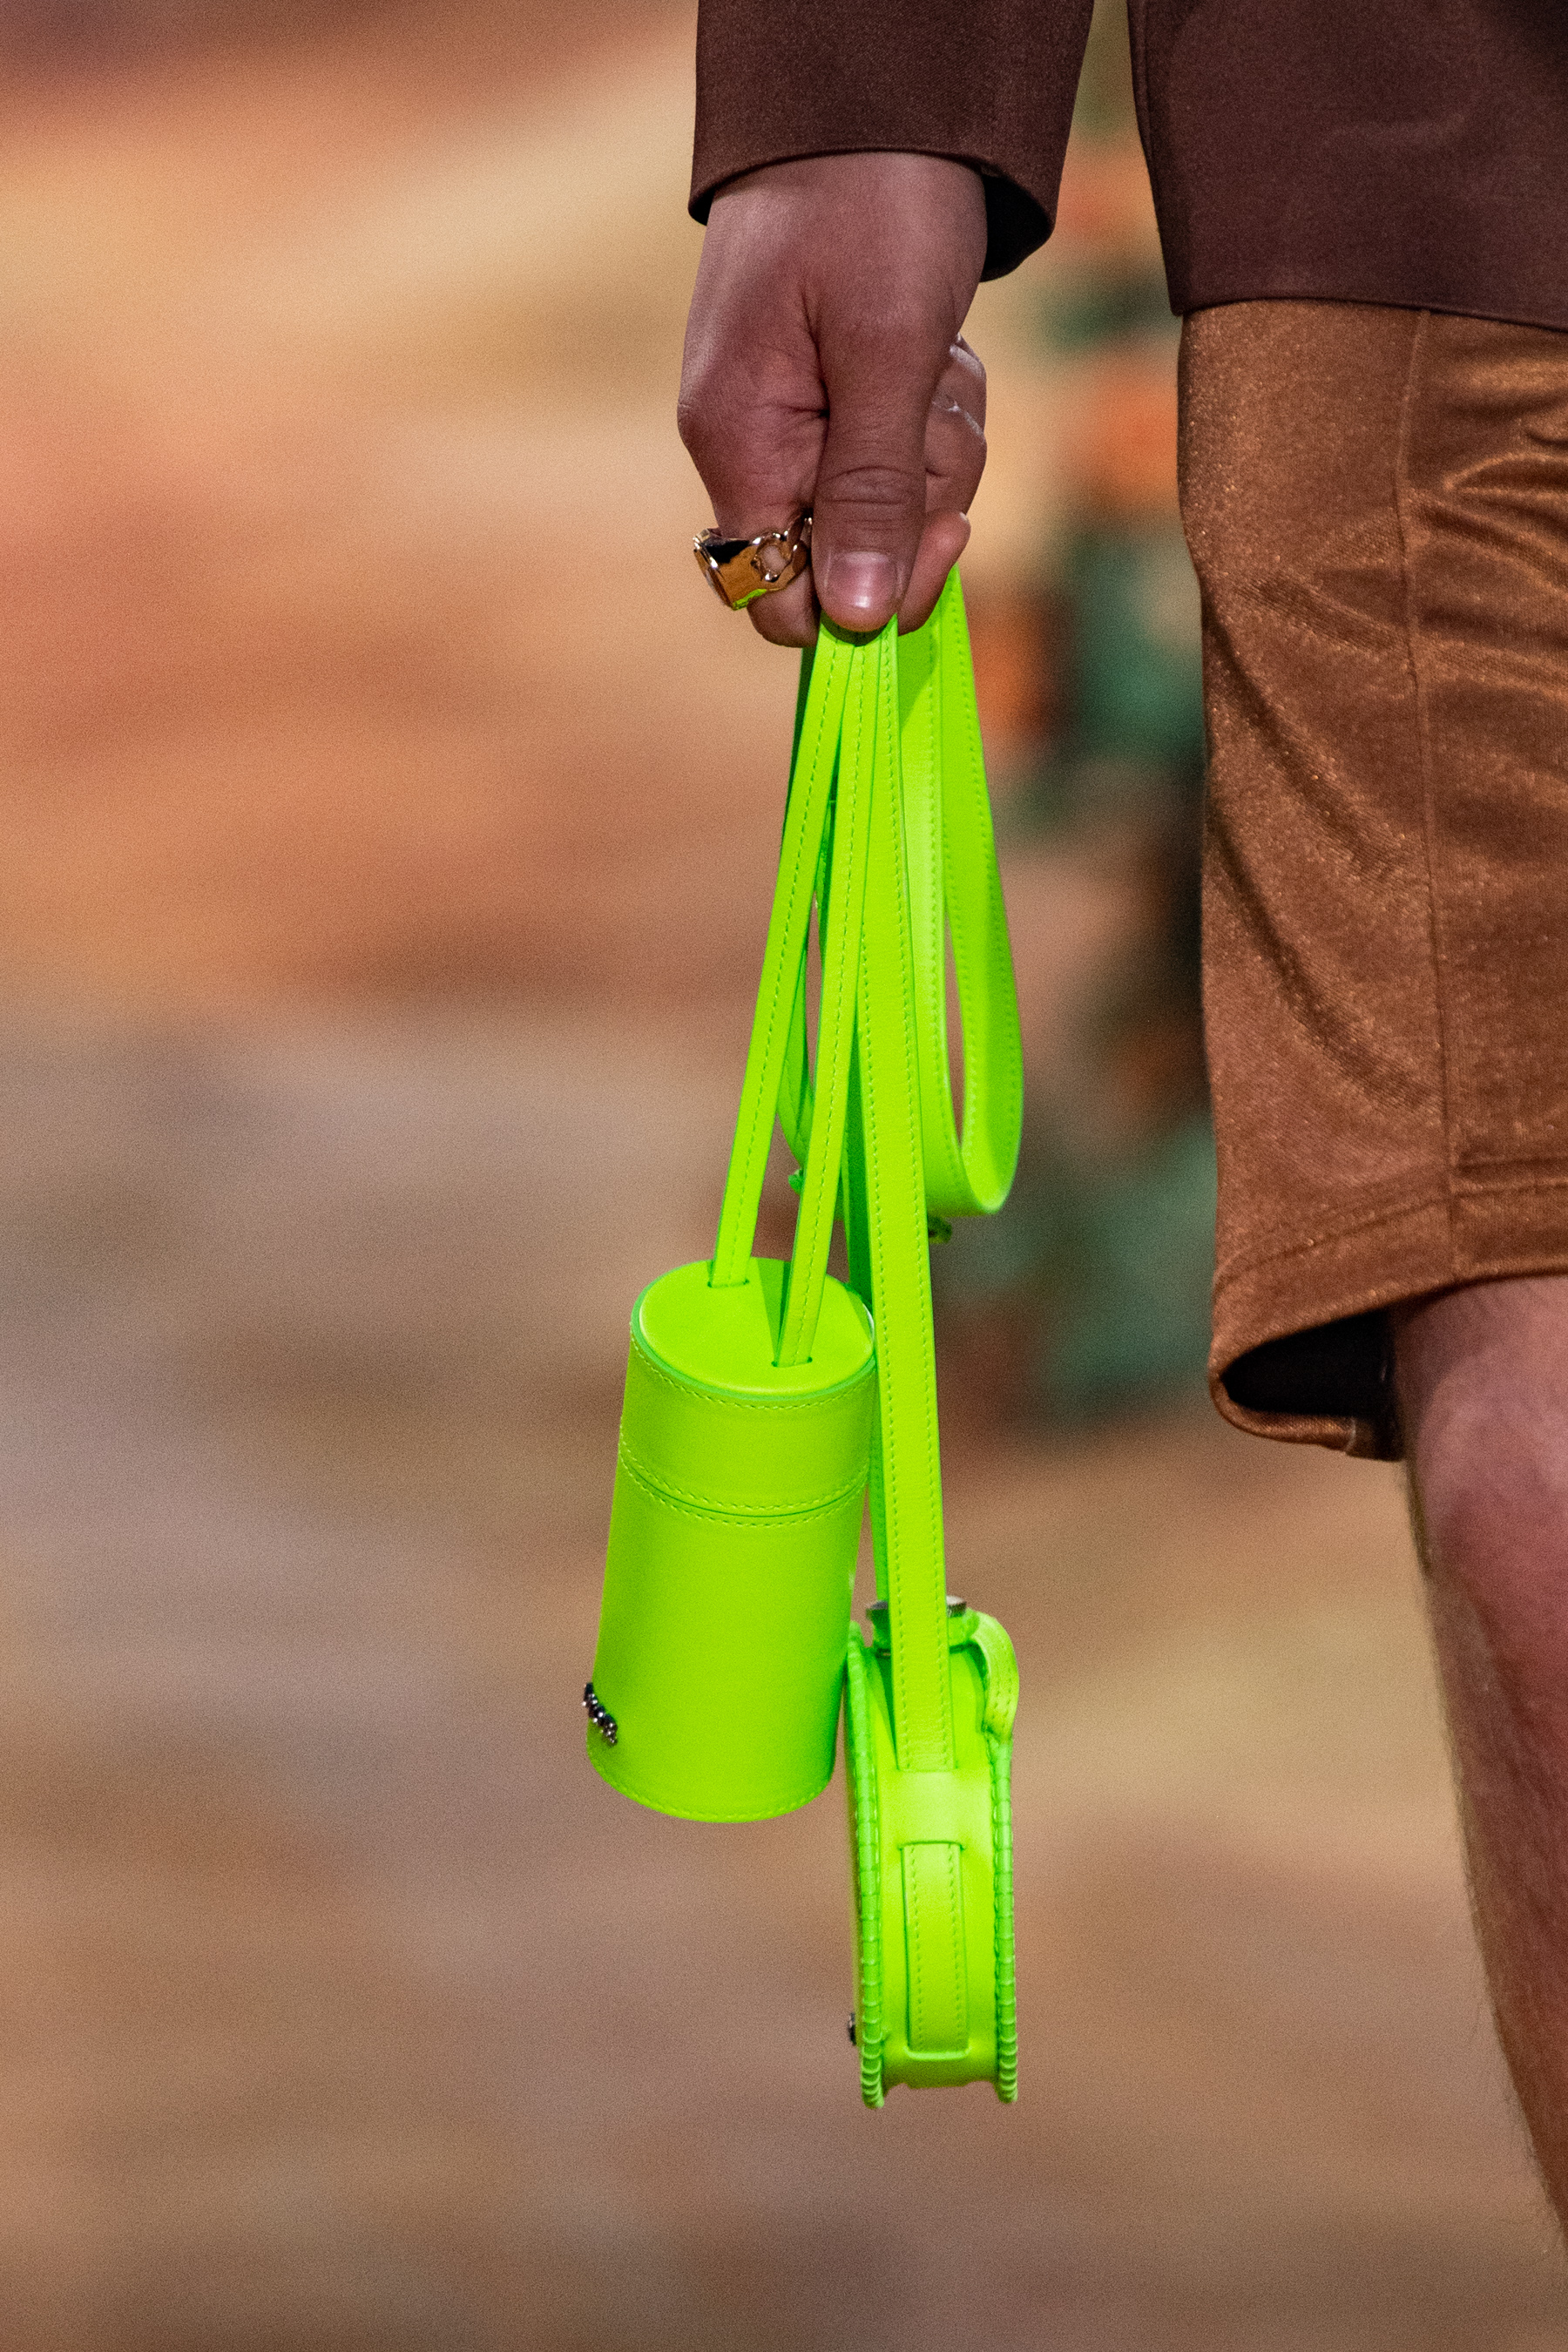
(1401, 487)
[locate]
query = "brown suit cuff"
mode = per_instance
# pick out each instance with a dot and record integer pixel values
(989, 83)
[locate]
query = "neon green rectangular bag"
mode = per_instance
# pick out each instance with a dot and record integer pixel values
(766, 1401)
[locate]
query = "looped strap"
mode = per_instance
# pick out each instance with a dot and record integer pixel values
(826, 826)
(887, 829)
(955, 895)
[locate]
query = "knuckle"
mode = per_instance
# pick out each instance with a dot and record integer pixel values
(873, 481)
(954, 434)
(873, 489)
(965, 357)
(973, 455)
(751, 446)
(693, 426)
(713, 405)
(697, 416)
(783, 628)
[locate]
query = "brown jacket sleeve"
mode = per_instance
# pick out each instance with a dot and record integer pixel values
(990, 82)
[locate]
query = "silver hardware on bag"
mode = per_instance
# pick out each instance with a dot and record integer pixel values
(599, 1716)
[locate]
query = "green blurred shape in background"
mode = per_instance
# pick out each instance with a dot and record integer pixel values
(1139, 696)
(1132, 1295)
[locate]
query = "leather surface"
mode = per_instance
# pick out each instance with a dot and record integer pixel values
(752, 1424)
(955, 893)
(932, 1879)
(746, 1426)
(930, 1709)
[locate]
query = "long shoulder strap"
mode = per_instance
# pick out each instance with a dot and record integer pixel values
(831, 766)
(955, 892)
(888, 829)
(841, 893)
(933, 875)
(889, 1256)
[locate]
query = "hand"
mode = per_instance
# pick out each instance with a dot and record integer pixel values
(824, 368)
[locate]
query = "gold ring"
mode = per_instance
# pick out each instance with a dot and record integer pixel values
(742, 570)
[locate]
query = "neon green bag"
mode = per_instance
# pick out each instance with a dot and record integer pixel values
(746, 1430)
(753, 1423)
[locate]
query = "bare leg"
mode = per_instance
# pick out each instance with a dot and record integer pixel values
(1483, 1390)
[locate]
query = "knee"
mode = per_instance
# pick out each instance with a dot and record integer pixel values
(1482, 1379)
(1481, 1478)
(1489, 1477)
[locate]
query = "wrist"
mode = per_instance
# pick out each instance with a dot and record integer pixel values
(907, 220)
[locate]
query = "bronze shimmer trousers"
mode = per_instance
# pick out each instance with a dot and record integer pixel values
(1376, 502)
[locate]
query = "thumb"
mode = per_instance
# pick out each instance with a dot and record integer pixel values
(869, 504)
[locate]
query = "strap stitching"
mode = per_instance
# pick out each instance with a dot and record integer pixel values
(713, 1507)
(795, 884)
(895, 881)
(860, 1762)
(825, 1194)
(979, 1083)
(766, 1111)
(1004, 2012)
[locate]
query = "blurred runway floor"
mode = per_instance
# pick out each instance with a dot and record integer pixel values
(344, 2007)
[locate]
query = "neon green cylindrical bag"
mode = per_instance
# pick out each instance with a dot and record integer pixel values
(764, 1402)
(746, 1429)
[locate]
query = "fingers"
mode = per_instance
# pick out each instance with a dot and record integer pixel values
(759, 471)
(955, 458)
(942, 541)
(955, 433)
(886, 315)
(823, 329)
(860, 589)
(752, 408)
(787, 618)
(870, 508)
(963, 380)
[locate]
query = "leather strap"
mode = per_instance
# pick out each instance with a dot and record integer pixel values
(833, 738)
(890, 1264)
(888, 829)
(841, 895)
(955, 892)
(934, 874)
